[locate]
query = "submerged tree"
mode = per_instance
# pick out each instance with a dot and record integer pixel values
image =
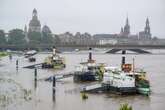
(125, 107)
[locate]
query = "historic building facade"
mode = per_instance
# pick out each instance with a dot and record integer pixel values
(146, 34)
(34, 25)
(125, 32)
(126, 37)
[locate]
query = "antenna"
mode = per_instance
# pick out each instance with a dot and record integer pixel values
(133, 65)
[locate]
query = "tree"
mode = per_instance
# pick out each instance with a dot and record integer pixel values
(57, 40)
(34, 37)
(47, 35)
(125, 107)
(47, 38)
(16, 37)
(2, 37)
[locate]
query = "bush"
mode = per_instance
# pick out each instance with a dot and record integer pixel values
(125, 107)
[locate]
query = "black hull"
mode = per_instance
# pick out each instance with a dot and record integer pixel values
(44, 65)
(121, 90)
(84, 77)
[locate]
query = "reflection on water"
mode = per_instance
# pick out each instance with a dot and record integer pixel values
(66, 95)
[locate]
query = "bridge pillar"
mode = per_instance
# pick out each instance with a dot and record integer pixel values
(35, 78)
(123, 57)
(54, 89)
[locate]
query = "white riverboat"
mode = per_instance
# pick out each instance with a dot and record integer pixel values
(116, 80)
(30, 53)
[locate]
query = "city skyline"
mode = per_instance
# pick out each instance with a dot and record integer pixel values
(83, 16)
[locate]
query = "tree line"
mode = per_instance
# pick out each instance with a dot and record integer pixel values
(18, 37)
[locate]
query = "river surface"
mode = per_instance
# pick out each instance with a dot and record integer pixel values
(67, 96)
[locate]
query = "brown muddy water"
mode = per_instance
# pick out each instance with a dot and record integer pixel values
(17, 91)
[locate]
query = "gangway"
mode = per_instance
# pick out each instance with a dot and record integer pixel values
(93, 88)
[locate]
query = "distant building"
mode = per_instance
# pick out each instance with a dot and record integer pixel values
(125, 37)
(125, 32)
(26, 34)
(146, 34)
(78, 38)
(66, 38)
(110, 41)
(84, 39)
(126, 28)
(34, 25)
(46, 29)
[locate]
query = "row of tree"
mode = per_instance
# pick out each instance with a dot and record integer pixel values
(18, 37)
(2, 37)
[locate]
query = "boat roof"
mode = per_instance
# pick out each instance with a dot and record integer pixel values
(112, 68)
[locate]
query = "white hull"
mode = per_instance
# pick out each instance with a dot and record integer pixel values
(118, 79)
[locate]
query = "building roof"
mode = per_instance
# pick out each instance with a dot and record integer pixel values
(46, 29)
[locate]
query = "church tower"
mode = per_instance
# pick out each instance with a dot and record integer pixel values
(146, 34)
(26, 34)
(126, 28)
(34, 25)
(147, 27)
(147, 30)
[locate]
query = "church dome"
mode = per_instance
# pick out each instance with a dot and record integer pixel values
(34, 11)
(46, 29)
(34, 22)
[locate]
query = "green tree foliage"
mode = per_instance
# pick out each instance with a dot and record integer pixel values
(2, 37)
(16, 37)
(34, 37)
(125, 107)
(57, 40)
(47, 38)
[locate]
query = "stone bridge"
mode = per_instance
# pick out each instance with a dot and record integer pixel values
(113, 48)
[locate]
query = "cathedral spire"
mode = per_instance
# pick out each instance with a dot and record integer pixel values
(127, 21)
(147, 27)
(147, 22)
(127, 27)
(26, 34)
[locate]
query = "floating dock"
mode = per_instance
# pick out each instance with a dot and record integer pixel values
(93, 88)
(100, 87)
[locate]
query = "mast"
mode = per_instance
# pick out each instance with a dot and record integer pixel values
(54, 51)
(90, 54)
(123, 58)
(133, 68)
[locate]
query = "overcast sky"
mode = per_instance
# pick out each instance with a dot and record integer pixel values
(93, 16)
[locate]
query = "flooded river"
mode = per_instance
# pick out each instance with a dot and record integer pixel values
(18, 85)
